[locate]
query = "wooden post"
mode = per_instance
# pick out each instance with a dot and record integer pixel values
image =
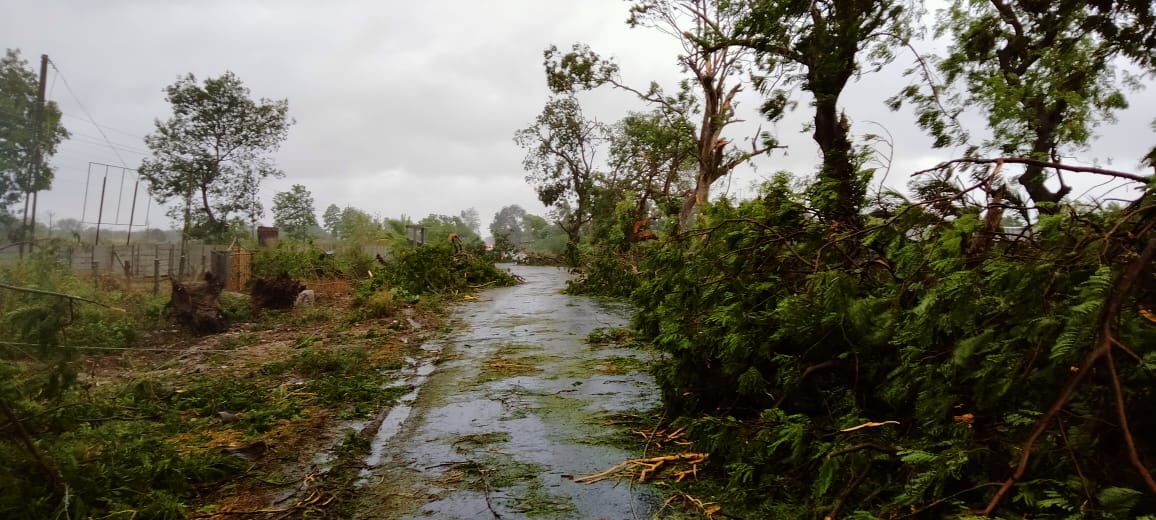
(156, 276)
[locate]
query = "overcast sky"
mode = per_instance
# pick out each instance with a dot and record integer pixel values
(401, 107)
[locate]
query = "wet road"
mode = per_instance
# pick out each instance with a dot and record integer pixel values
(507, 411)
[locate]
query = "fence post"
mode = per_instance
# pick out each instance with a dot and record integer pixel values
(156, 276)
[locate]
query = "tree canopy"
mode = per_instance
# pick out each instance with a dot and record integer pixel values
(19, 133)
(213, 152)
(293, 212)
(561, 148)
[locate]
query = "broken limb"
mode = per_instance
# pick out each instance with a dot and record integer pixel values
(646, 467)
(53, 293)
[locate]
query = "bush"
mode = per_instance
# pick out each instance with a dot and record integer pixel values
(308, 261)
(381, 304)
(433, 269)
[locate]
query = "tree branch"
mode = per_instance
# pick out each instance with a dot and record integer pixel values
(1133, 455)
(1044, 164)
(62, 295)
(1103, 348)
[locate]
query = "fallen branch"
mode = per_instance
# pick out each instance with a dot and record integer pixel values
(1044, 164)
(868, 425)
(30, 290)
(708, 509)
(1103, 348)
(648, 467)
(486, 487)
(1133, 455)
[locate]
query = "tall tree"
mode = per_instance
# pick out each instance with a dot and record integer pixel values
(472, 220)
(356, 224)
(331, 219)
(652, 155)
(509, 222)
(714, 59)
(214, 152)
(821, 45)
(293, 212)
(18, 132)
(561, 147)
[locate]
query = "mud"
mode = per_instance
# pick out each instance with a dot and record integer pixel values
(507, 412)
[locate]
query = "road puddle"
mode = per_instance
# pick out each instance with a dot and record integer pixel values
(517, 406)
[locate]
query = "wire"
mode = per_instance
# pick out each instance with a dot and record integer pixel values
(68, 87)
(106, 127)
(86, 139)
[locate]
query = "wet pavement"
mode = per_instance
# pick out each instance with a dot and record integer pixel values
(507, 411)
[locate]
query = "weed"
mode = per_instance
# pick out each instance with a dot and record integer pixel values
(314, 315)
(613, 365)
(235, 341)
(301, 342)
(380, 304)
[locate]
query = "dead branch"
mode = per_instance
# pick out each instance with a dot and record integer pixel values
(934, 503)
(646, 467)
(31, 290)
(708, 508)
(1044, 164)
(868, 424)
(59, 486)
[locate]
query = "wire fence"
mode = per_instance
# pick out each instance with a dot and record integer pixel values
(147, 261)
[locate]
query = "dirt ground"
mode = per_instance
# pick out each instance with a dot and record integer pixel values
(290, 461)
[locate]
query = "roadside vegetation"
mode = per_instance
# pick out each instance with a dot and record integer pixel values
(977, 344)
(110, 410)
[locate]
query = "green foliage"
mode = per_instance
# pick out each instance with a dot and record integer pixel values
(380, 304)
(18, 86)
(433, 269)
(217, 144)
(783, 335)
(560, 149)
(237, 308)
(293, 212)
(309, 261)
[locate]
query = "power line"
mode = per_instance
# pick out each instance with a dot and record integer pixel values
(68, 87)
(106, 127)
(89, 139)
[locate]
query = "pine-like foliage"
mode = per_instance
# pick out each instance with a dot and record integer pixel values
(783, 335)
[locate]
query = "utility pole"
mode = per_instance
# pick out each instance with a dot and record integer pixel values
(34, 163)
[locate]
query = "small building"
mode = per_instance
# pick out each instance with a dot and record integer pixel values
(267, 236)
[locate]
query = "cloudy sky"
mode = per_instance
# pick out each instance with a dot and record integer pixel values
(401, 107)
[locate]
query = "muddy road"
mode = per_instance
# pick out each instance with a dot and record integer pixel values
(509, 409)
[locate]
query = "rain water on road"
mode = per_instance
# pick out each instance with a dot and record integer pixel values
(510, 409)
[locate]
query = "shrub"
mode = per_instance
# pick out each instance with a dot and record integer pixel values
(381, 304)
